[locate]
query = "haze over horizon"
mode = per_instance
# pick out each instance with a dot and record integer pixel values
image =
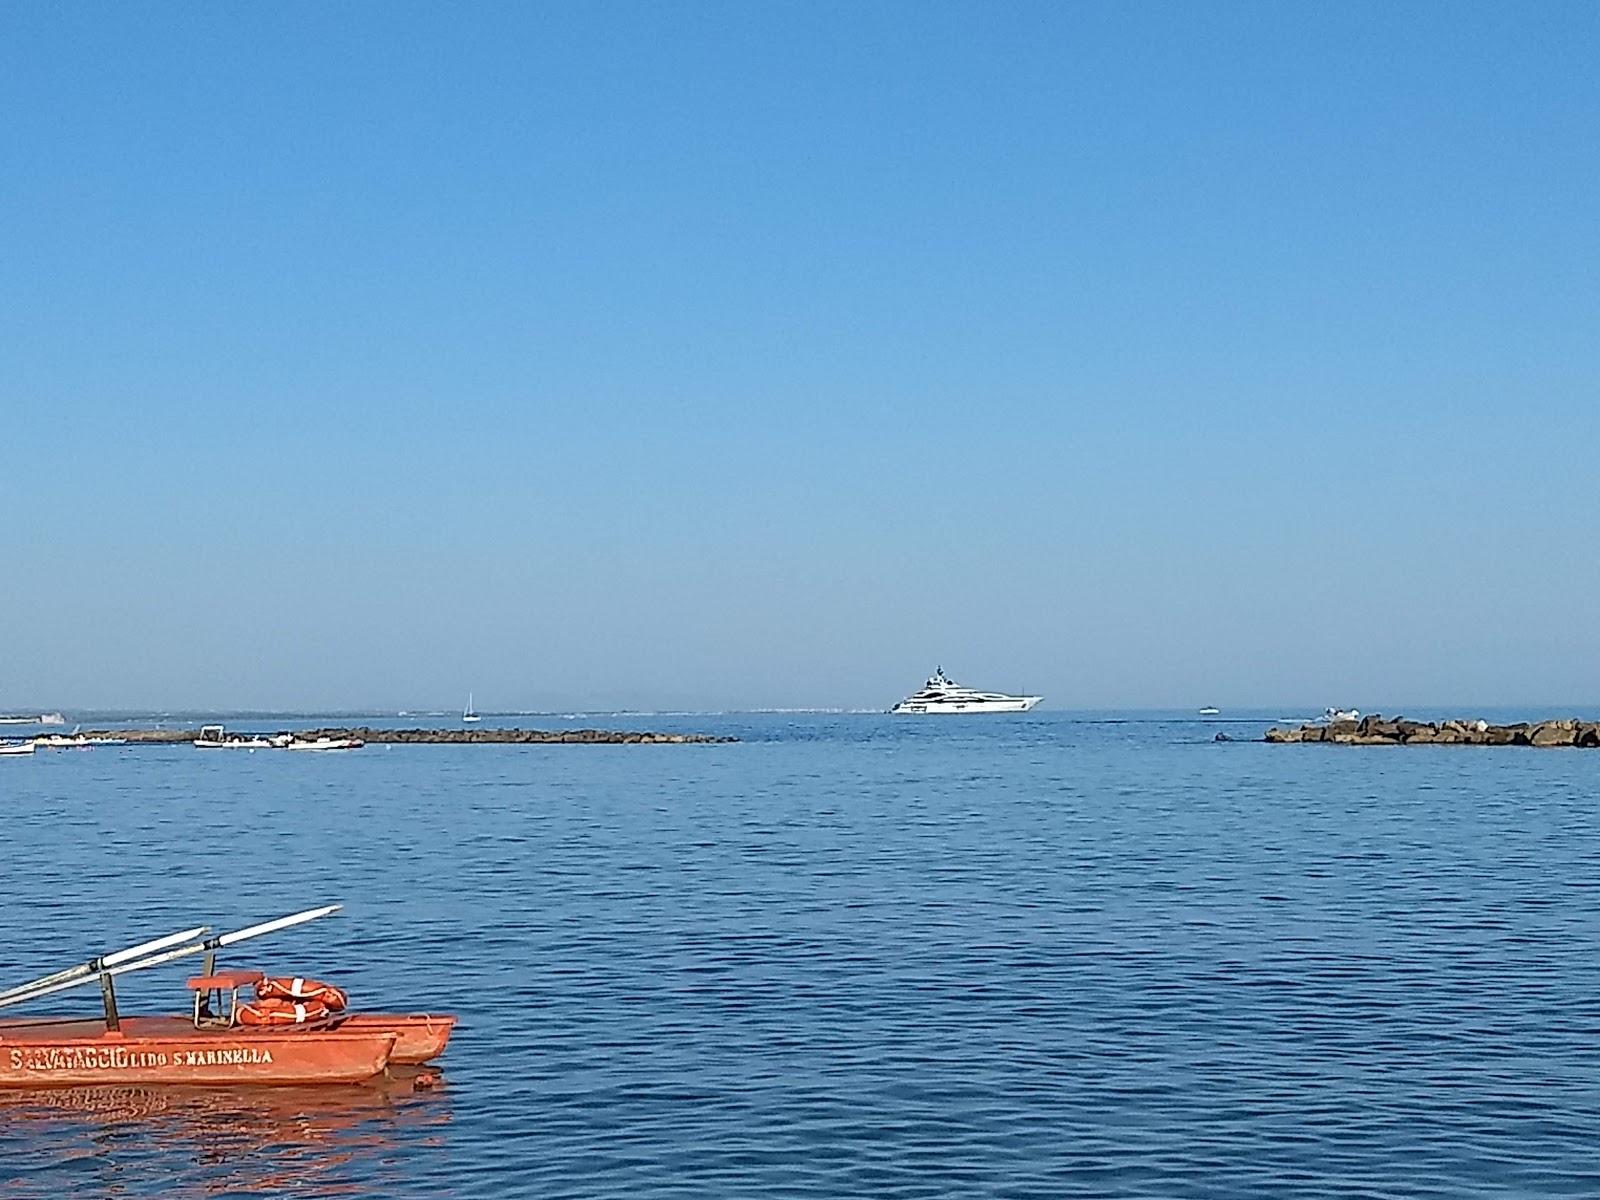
(726, 357)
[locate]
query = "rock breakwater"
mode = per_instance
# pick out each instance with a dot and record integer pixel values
(1376, 731)
(517, 737)
(445, 737)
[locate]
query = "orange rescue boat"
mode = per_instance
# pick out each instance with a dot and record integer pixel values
(295, 1031)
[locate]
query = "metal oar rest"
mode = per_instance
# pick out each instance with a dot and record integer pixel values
(103, 970)
(208, 991)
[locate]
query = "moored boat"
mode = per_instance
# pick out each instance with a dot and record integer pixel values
(16, 747)
(215, 737)
(295, 1031)
(76, 741)
(62, 741)
(325, 743)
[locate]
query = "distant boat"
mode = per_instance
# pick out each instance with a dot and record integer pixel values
(941, 694)
(1341, 714)
(16, 747)
(1208, 711)
(215, 737)
(325, 743)
(51, 718)
(76, 740)
(467, 715)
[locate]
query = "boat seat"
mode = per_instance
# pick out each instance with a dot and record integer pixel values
(208, 990)
(225, 980)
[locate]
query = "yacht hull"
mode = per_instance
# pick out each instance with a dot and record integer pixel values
(960, 708)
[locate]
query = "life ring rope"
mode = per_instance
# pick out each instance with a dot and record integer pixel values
(299, 988)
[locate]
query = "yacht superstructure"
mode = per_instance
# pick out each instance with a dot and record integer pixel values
(941, 694)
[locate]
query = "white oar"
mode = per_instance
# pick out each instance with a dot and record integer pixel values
(200, 947)
(95, 965)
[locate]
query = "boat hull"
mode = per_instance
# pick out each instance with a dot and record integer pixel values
(170, 1050)
(966, 707)
(419, 1037)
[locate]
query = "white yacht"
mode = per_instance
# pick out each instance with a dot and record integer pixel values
(469, 714)
(941, 694)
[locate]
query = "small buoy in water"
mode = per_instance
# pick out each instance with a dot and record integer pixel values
(1222, 737)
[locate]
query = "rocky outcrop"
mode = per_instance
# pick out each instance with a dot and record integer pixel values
(1375, 731)
(515, 737)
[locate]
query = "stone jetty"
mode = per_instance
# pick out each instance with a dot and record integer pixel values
(1377, 731)
(445, 737)
(517, 737)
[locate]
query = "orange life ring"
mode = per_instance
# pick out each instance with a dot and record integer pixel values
(282, 1012)
(283, 988)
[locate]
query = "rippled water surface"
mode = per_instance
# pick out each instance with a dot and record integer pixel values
(1040, 956)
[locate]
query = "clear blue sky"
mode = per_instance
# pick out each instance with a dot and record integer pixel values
(766, 354)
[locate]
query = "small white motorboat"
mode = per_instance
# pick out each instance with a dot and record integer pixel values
(325, 743)
(1341, 714)
(16, 747)
(1209, 711)
(214, 737)
(77, 741)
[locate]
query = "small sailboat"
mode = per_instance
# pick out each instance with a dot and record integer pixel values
(468, 716)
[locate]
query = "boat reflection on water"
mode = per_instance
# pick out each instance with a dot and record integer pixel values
(349, 1140)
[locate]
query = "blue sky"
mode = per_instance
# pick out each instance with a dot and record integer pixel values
(724, 355)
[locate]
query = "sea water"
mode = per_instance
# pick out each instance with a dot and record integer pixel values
(1048, 955)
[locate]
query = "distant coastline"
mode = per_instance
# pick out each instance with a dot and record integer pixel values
(444, 737)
